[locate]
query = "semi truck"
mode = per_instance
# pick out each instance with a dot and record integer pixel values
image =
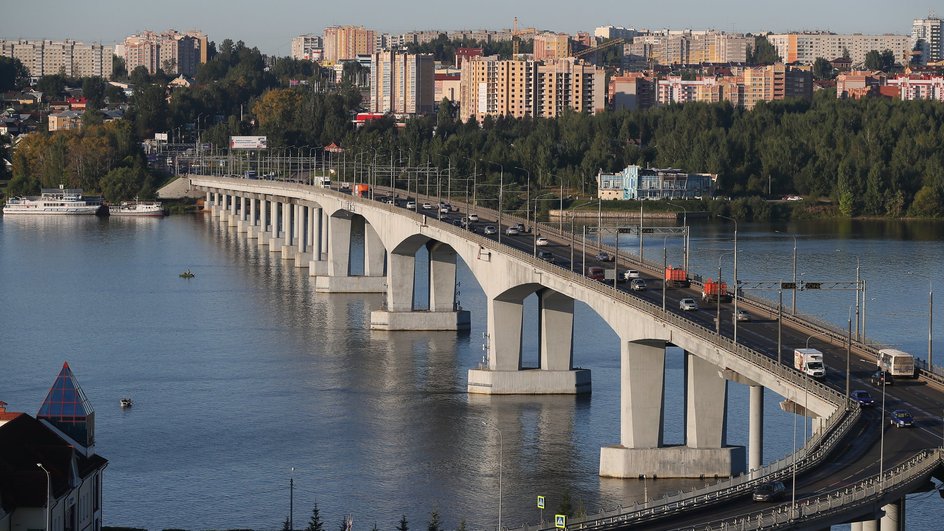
(712, 291)
(809, 361)
(676, 277)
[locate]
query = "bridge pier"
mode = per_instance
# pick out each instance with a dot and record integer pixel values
(288, 231)
(252, 226)
(243, 220)
(755, 436)
(275, 240)
(302, 254)
(318, 264)
(504, 374)
(264, 220)
(642, 394)
(339, 278)
(894, 518)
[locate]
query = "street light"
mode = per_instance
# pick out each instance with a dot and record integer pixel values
(501, 452)
(794, 310)
(685, 236)
(48, 491)
(501, 186)
(718, 294)
(735, 277)
(858, 288)
(664, 264)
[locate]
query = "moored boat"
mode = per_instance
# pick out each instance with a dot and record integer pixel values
(53, 201)
(137, 209)
(125, 402)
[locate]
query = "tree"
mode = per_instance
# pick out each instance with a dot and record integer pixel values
(93, 89)
(566, 507)
(928, 202)
(52, 86)
(822, 69)
(315, 523)
(403, 526)
(434, 524)
(119, 70)
(286, 525)
(875, 60)
(763, 53)
(13, 75)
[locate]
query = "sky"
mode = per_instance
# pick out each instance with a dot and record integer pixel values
(271, 24)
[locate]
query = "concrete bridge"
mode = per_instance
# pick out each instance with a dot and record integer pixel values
(314, 228)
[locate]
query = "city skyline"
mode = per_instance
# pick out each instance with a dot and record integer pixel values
(272, 29)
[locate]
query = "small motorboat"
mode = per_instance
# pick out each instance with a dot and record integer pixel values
(126, 403)
(187, 274)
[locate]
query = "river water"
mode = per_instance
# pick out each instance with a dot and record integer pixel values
(243, 373)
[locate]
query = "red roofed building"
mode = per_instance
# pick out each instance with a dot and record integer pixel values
(463, 54)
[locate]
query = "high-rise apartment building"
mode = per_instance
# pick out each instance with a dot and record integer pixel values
(307, 47)
(804, 48)
(686, 47)
(344, 43)
(401, 83)
(551, 46)
(747, 89)
(71, 58)
(171, 51)
(926, 39)
(525, 88)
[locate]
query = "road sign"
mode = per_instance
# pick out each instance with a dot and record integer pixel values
(560, 521)
(788, 285)
(811, 285)
(540, 502)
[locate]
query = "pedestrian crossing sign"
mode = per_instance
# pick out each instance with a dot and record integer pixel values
(540, 502)
(560, 521)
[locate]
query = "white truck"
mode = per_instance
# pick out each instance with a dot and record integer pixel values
(809, 361)
(324, 182)
(897, 362)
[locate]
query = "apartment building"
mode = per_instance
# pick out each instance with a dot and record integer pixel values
(685, 47)
(551, 46)
(172, 51)
(926, 39)
(918, 87)
(804, 48)
(402, 83)
(527, 88)
(71, 58)
(632, 90)
(343, 43)
(307, 47)
(636, 182)
(744, 89)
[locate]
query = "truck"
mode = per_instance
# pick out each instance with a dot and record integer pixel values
(809, 361)
(676, 277)
(361, 190)
(897, 362)
(712, 291)
(324, 182)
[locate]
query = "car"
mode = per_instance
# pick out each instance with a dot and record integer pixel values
(770, 491)
(347, 186)
(596, 273)
(411, 205)
(542, 242)
(427, 206)
(741, 315)
(901, 418)
(457, 222)
(546, 256)
(490, 229)
(512, 231)
(882, 378)
(637, 284)
(603, 256)
(630, 274)
(473, 217)
(520, 227)
(863, 398)
(444, 209)
(688, 305)
(389, 201)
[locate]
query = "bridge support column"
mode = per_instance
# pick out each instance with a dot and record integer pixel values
(289, 215)
(894, 519)
(318, 265)
(242, 224)
(302, 255)
(264, 220)
(504, 374)
(275, 238)
(221, 206)
(374, 253)
(400, 314)
(870, 525)
(252, 229)
(207, 203)
(339, 279)
(231, 215)
(755, 439)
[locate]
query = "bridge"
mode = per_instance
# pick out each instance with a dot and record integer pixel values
(314, 228)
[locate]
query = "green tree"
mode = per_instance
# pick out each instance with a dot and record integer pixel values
(928, 202)
(403, 525)
(52, 86)
(884, 61)
(119, 70)
(566, 506)
(434, 524)
(13, 75)
(93, 89)
(762, 53)
(823, 69)
(315, 523)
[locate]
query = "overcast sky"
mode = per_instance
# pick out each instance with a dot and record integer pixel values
(271, 24)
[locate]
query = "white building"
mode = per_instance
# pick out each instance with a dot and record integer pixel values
(307, 47)
(926, 38)
(71, 58)
(804, 48)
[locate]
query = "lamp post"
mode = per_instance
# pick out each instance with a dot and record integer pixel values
(291, 500)
(794, 308)
(881, 454)
(664, 263)
(806, 400)
(534, 233)
(735, 277)
(501, 452)
(858, 289)
(48, 493)
(501, 186)
(528, 197)
(718, 295)
(685, 237)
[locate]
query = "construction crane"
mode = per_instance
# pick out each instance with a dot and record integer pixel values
(602, 46)
(516, 39)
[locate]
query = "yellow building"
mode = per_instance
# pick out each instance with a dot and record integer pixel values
(551, 46)
(344, 43)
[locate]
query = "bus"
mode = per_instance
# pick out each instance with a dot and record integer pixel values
(897, 362)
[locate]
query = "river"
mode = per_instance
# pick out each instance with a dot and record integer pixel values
(243, 373)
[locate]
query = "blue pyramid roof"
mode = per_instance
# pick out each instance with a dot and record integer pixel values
(67, 408)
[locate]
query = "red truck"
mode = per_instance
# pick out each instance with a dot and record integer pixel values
(712, 291)
(361, 190)
(676, 277)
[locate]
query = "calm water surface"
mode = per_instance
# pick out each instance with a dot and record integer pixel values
(244, 372)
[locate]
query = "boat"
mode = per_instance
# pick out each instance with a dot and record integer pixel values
(126, 402)
(137, 209)
(53, 201)
(187, 274)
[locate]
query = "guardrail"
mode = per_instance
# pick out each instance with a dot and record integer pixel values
(815, 450)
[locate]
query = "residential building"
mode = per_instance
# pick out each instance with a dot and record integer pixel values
(51, 459)
(401, 83)
(551, 46)
(857, 85)
(804, 48)
(447, 85)
(307, 47)
(633, 90)
(635, 182)
(614, 32)
(570, 84)
(926, 39)
(919, 87)
(71, 58)
(342, 43)
(467, 53)
(65, 120)
(171, 51)
(685, 47)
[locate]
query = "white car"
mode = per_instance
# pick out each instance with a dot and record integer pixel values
(541, 242)
(630, 274)
(490, 229)
(444, 209)
(638, 284)
(741, 315)
(427, 206)
(473, 217)
(688, 305)
(411, 205)
(512, 231)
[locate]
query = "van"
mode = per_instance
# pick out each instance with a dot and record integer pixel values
(897, 362)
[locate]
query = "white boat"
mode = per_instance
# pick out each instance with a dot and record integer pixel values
(126, 402)
(53, 201)
(137, 208)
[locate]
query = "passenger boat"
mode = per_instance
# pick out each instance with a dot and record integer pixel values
(137, 209)
(53, 201)
(125, 402)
